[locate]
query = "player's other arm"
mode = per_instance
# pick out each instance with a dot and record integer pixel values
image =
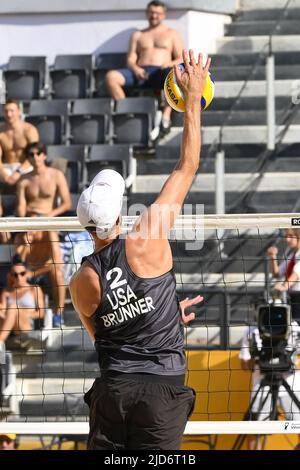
(86, 294)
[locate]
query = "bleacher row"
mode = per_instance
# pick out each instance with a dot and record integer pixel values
(80, 163)
(70, 77)
(94, 121)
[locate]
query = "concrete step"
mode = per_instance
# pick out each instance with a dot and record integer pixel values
(268, 14)
(246, 104)
(238, 265)
(256, 89)
(268, 4)
(273, 201)
(242, 150)
(235, 44)
(261, 28)
(251, 58)
(232, 165)
(54, 406)
(238, 118)
(197, 281)
(235, 135)
(258, 72)
(234, 182)
(236, 245)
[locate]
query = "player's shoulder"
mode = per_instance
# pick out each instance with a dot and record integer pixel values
(85, 272)
(86, 280)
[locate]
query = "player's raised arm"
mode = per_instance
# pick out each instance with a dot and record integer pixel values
(160, 217)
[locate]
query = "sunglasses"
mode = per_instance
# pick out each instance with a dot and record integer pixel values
(32, 154)
(22, 273)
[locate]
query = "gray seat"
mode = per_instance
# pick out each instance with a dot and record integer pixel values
(105, 62)
(71, 76)
(109, 156)
(75, 156)
(1, 114)
(89, 121)
(9, 203)
(25, 77)
(50, 118)
(133, 120)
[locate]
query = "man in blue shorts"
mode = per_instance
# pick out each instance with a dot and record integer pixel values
(152, 52)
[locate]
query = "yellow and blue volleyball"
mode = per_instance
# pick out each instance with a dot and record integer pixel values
(174, 95)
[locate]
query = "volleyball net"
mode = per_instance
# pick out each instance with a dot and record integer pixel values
(224, 259)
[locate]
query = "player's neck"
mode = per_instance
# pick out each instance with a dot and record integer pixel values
(100, 244)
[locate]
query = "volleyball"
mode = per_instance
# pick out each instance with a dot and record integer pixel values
(174, 95)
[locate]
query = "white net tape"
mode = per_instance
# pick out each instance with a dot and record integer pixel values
(218, 229)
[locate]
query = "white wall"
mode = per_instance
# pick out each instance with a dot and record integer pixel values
(203, 29)
(49, 35)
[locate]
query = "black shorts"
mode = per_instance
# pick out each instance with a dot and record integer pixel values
(135, 413)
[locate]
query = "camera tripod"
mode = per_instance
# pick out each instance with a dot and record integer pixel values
(272, 380)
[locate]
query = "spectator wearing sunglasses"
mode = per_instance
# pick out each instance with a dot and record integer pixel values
(44, 192)
(20, 304)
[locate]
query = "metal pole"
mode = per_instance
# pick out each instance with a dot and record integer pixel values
(220, 182)
(271, 106)
(220, 195)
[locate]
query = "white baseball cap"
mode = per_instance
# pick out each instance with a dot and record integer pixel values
(100, 204)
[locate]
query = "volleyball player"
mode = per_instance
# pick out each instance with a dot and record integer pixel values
(125, 295)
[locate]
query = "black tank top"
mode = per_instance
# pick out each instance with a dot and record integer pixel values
(137, 323)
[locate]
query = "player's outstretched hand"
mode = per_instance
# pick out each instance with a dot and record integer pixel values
(188, 303)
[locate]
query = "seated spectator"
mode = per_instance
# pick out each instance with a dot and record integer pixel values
(151, 54)
(37, 194)
(15, 134)
(288, 271)
(38, 191)
(9, 442)
(20, 304)
(42, 254)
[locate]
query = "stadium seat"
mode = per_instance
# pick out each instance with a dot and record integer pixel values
(105, 62)
(90, 121)
(75, 156)
(9, 202)
(26, 78)
(118, 157)
(1, 114)
(50, 118)
(133, 121)
(71, 76)
(8, 384)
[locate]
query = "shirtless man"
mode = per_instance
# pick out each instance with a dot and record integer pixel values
(37, 191)
(36, 196)
(151, 53)
(15, 135)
